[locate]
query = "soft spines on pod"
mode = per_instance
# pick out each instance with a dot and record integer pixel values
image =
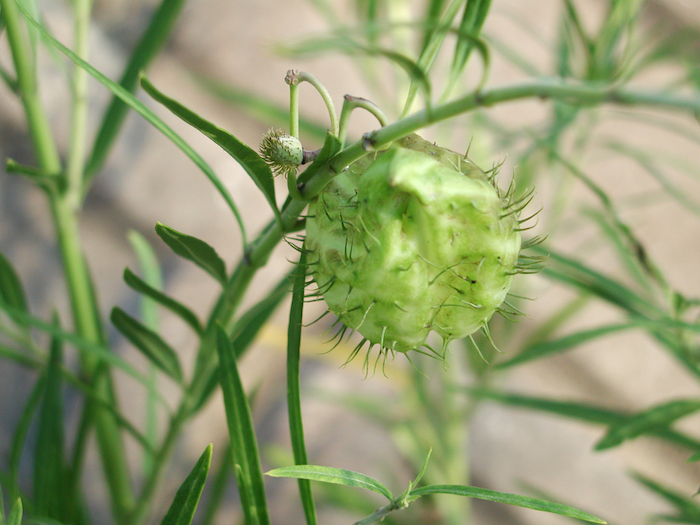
(411, 240)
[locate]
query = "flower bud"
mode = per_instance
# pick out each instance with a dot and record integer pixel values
(281, 151)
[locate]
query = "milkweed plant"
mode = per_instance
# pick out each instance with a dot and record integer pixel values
(414, 261)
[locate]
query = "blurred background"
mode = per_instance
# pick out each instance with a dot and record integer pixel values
(227, 61)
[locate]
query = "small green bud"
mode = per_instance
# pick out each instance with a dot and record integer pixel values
(412, 240)
(281, 151)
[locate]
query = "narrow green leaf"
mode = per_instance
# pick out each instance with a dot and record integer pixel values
(580, 412)
(571, 271)
(150, 343)
(184, 313)
(658, 417)
(337, 476)
(467, 35)
(151, 117)
(688, 509)
(11, 291)
(15, 517)
(100, 352)
(2, 499)
(296, 424)
(246, 330)
(195, 250)
(37, 176)
(695, 457)
(50, 473)
(217, 492)
(248, 158)
(183, 507)
(152, 276)
(510, 499)
(151, 42)
(648, 161)
(251, 322)
(244, 445)
(545, 348)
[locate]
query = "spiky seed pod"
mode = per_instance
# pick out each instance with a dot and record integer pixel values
(281, 151)
(412, 240)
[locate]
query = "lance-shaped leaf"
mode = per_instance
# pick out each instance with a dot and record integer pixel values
(545, 348)
(151, 42)
(244, 445)
(195, 250)
(11, 291)
(141, 286)
(510, 499)
(688, 510)
(245, 331)
(50, 472)
(248, 158)
(15, 517)
(652, 420)
(334, 475)
(184, 505)
(150, 343)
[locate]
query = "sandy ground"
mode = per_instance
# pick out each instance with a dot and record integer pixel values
(148, 180)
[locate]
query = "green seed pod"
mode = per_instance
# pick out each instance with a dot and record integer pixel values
(411, 240)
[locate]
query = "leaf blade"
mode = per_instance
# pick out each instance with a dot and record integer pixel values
(11, 290)
(244, 445)
(184, 505)
(651, 420)
(333, 475)
(150, 343)
(179, 309)
(152, 40)
(248, 158)
(194, 250)
(510, 499)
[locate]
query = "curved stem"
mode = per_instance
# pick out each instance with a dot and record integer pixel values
(349, 104)
(295, 77)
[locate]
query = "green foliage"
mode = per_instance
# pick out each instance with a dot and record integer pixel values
(183, 507)
(425, 70)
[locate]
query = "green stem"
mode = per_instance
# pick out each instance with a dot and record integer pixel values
(294, 78)
(88, 324)
(381, 513)
(349, 104)
(44, 146)
(84, 309)
(78, 135)
(576, 94)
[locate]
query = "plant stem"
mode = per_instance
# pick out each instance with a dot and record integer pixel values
(381, 513)
(78, 135)
(573, 93)
(84, 309)
(44, 146)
